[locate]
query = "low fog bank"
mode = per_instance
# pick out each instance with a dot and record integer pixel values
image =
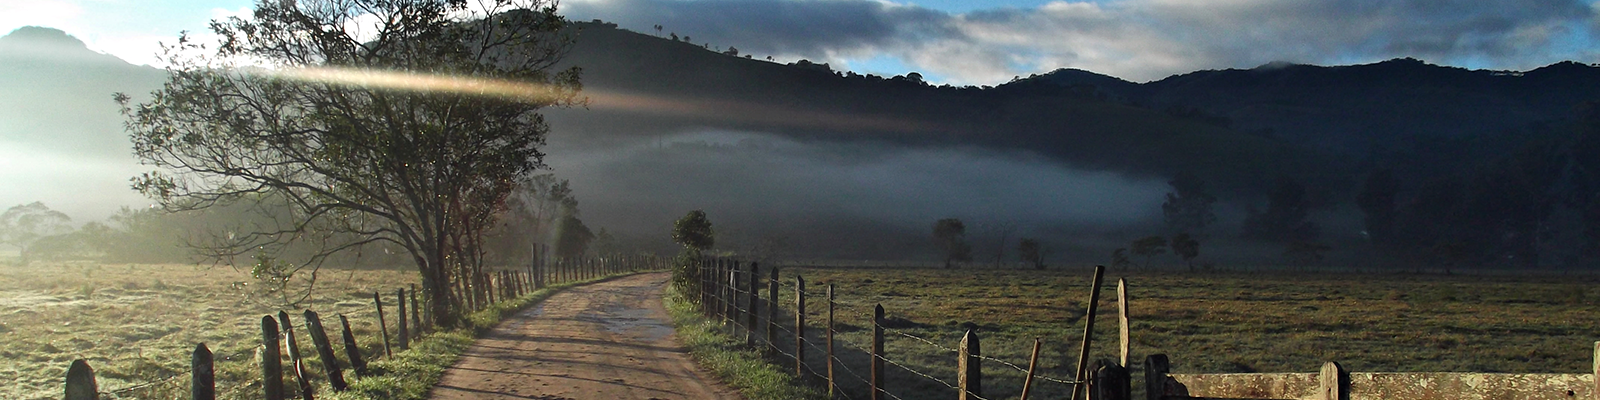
(828, 200)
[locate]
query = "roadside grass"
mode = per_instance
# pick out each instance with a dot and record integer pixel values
(1205, 322)
(746, 370)
(136, 324)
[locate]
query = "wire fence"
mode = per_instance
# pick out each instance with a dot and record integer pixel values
(739, 296)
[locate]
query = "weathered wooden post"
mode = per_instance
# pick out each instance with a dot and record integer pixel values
(352, 350)
(799, 326)
(877, 353)
(969, 369)
(271, 359)
(1335, 382)
(292, 346)
(330, 363)
(731, 314)
(80, 382)
(1088, 333)
(1033, 365)
(1596, 362)
(752, 317)
(383, 326)
(1155, 376)
(405, 334)
(416, 319)
(1122, 319)
(1109, 381)
(772, 308)
(202, 375)
(831, 385)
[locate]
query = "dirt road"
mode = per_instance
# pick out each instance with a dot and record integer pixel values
(609, 340)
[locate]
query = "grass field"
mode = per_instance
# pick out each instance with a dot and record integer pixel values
(137, 324)
(1206, 323)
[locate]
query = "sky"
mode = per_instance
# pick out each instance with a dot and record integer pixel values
(991, 42)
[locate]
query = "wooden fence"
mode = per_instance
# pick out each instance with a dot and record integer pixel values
(280, 354)
(731, 293)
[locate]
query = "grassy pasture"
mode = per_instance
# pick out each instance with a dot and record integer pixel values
(138, 323)
(1206, 323)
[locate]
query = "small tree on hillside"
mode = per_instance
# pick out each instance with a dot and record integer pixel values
(1188, 206)
(1031, 252)
(949, 235)
(1284, 221)
(1119, 259)
(1187, 247)
(1149, 247)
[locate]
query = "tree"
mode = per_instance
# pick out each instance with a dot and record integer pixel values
(1377, 203)
(1187, 247)
(605, 244)
(1149, 247)
(949, 235)
(1002, 232)
(1031, 252)
(23, 225)
(693, 231)
(572, 237)
(1284, 221)
(1188, 205)
(1119, 259)
(401, 132)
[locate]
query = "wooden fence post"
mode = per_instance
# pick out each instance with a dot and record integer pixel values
(799, 326)
(969, 369)
(203, 378)
(877, 353)
(1109, 381)
(80, 382)
(416, 319)
(752, 317)
(383, 326)
(352, 350)
(330, 363)
(1088, 332)
(831, 385)
(1033, 365)
(1155, 376)
(731, 314)
(271, 360)
(1335, 382)
(1122, 319)
(405, 334)
(772, 309)
(292, 346)
(1596, 362)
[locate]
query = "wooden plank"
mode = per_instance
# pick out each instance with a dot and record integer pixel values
(1122, 318)
(969, 370)
(271, 359)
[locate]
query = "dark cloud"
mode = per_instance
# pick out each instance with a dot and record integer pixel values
(1135, 39)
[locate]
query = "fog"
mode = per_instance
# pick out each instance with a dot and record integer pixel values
(840, 199)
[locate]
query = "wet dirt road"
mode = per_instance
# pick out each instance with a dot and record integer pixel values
(608, 340)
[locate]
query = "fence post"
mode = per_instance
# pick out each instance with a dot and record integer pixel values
(1335, 382)
(1155, 376)
(731, 314)
(772, 308)
(1109, 381)
(969, 368)
(292, 346)
(831, 385)
(1088, 333)
(752, 318)
(271, 360)
(799, 326)
(1033, 364)
(1596, 362)
(330, 363)
(352, 350)
(877, 353)
(203, 378)
(416, 319)
(405, 334)
(383, 326)
(80, 382)
(1122, 319)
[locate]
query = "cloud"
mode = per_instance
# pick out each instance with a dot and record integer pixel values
(1133, 39)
